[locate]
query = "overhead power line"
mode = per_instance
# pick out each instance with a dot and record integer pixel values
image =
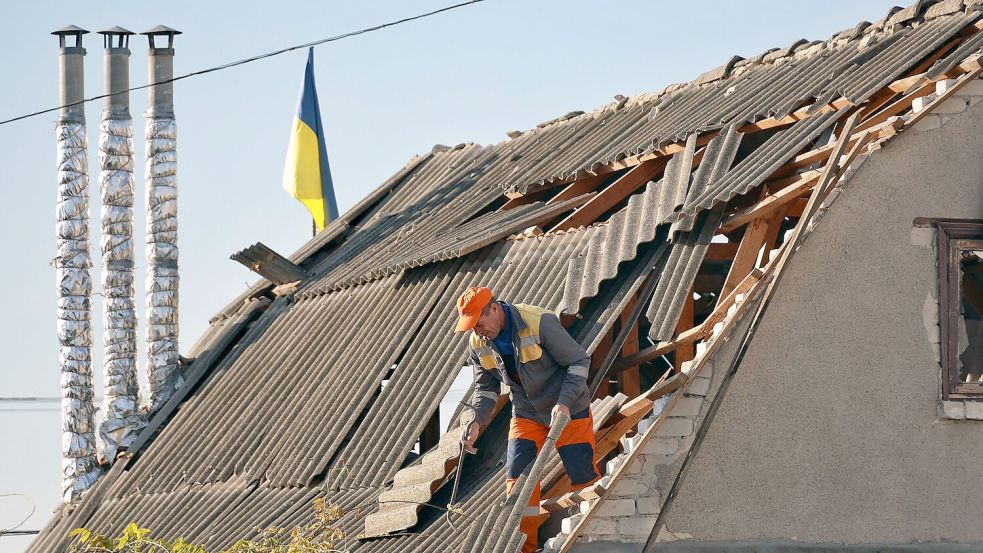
(251, 59)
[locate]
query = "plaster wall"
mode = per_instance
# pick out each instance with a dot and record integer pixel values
(830, 431)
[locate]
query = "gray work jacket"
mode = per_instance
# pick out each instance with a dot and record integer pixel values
(551, 365)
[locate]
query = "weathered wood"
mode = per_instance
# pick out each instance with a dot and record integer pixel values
(614, 194)
(769, 204)
(721, 251)
(685, 352)
(608, 437)
(755, 238)
(698, 332)
(630, 378)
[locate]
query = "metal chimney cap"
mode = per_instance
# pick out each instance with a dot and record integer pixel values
(70, 30)
(161, 30)
(117, 30)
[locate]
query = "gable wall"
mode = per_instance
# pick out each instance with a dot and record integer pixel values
(830, 431)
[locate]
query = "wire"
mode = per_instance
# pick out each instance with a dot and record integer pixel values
(6, 531)
(249, 60)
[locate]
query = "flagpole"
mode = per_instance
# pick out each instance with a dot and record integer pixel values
(313, 228)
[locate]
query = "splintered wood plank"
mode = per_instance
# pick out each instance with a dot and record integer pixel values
(614, 194)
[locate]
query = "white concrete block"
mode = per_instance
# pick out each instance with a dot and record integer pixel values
(919, 104)
(974, 410)
(675, 426)
(604, 482)
(686, 366)
(568, 524)
(699, 387)
(636, 526)
(930, 122)
(661, 446)
(952, 410)
(942, 86)
(630, 487)
(602, 526)
(644, 425)
(701, 347)
(688, 406)
(739, 298)
(650, 505)
(611, 466)
(717, 328)
(622, 507)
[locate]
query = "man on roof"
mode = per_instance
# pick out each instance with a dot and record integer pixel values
(526, 348)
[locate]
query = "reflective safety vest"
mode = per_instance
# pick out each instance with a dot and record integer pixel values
(528, 348)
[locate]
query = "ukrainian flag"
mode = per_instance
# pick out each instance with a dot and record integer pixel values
(306, 175)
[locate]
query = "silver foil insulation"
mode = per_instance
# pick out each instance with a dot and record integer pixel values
(80, 468)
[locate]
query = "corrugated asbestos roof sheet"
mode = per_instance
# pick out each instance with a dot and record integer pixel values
(324, 393)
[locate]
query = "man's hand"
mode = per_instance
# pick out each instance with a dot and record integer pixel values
(559, 408)
(469, 436)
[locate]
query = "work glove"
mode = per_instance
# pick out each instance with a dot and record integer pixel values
(469, 436)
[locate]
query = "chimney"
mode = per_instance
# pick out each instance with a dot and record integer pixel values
(80, 469)
(121, 418)
(161, 203)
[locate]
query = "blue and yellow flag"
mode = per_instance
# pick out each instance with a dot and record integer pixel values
(306, 175)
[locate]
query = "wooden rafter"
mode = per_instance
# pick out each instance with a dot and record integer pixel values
(721, 251)
(756, 236)
(630, 379)
(685, 352)
(612, 195)
(696, 333)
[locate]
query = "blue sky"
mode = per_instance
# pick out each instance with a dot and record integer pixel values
(472, 74)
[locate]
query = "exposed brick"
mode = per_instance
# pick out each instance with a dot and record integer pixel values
(649, 505)
(928, 123)
(675, 426)
(615, 507)
(640, 526)
(952, 410)
(688, 406)
(661, 446)
(699, 387)
(974, 88)
(602, 526)
(974, 410)
(952, 105)
(630, 487)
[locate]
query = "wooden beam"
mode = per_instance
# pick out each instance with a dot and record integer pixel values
(721, 251)
(629, 378)
(697, 332)
(770, 203)
(607, 438)
(755, 237)
(603, 347)
(613, 195)
(685, 352)
(578, 187)
(796, 207)
(900, 105)
(963, 81)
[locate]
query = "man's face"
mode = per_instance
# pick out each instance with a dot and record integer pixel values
(490, 323)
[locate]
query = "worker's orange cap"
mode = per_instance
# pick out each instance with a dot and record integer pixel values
(469, 307)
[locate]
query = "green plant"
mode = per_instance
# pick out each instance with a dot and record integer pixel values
(319, 536)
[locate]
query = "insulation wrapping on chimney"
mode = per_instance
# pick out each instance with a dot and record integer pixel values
(80, 468)
(121, 419)
(162, 259)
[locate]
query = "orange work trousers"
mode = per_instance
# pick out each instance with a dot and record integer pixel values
(576, 448)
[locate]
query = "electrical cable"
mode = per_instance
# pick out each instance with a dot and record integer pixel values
(250, 59)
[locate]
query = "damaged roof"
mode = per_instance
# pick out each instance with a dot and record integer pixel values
(325, 391)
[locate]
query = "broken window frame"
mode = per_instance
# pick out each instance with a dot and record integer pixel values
(953, 237)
